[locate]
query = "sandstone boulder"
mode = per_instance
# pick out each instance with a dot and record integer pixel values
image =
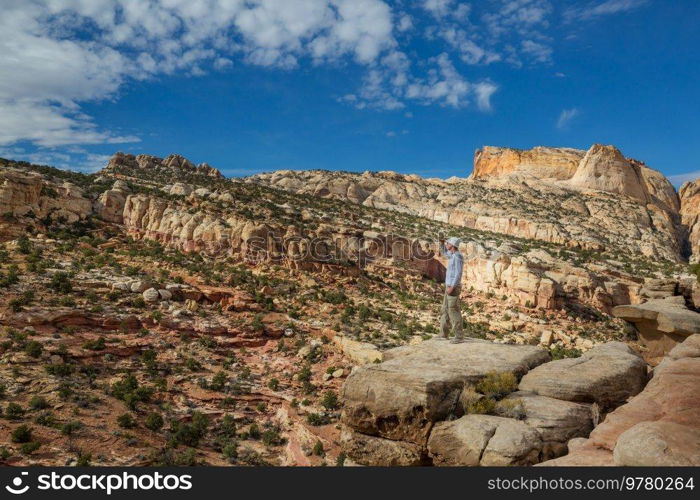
(556, 421)
(607, 375)
(659, 426)
(151, 295)
(418, 385)
(658, 444)
(662, 323)
(484, 440)
(380, 452)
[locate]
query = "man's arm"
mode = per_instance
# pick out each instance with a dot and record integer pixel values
(442, 249)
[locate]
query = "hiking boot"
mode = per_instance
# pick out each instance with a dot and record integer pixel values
(441, 337)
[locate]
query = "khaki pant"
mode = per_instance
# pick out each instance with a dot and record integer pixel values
(451, 315)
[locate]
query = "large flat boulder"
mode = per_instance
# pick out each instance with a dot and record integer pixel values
(607, 375)
(419, 385)
(662, 323)
(555, 420)
(659, 426)
(484, 440)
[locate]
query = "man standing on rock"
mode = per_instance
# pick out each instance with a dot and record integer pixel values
(451, 311)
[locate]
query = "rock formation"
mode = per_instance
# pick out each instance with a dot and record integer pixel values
(596, 200)
(658, 427)
(403, 410)
(662, 323)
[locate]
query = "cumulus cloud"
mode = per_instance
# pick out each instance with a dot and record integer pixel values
(566, 116)
(59, 55)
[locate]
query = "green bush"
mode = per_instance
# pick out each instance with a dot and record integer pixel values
(154, 421)
(22, 434)
(230, 451)
(14, 411)
(61, 283)
(38, 403)
(29, 448)
(330, 400)
(497, 384)
(126, 421)
(33, 348)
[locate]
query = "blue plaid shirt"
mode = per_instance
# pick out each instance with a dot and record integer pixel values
(455, 264)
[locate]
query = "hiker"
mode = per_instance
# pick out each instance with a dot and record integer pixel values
(451, 311)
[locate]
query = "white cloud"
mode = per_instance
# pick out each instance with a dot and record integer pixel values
(679, 179)
(405, 23)
(76, 159)
(605, 8)
(539, 52)
(484, 91)
(566, 116)
(59, 55)
(438, 8)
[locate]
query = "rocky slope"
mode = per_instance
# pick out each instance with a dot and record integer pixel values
(596, 200)
(231, 311)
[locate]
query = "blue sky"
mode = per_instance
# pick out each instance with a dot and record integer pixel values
(412, 86)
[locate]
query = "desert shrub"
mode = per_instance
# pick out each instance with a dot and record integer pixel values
(227, 427)
(154, 421)
(477, 404)
(33, 348)
(61, 283)
(14, 411)
(189, 434)
(83, 459)
(330, 400)
(69, 428)
(271, 437)
(126, 421)
(273, 384)
(38, 403)
(129, 391)
(318, 449)
(317, 419)
(29, 448)
(559, 352)
(218, 382)
(46, 419)
(230, 451)
(497, 384)
(95, 345)
(59, 369)
(510, 408)
(254, 431)
(22, 434)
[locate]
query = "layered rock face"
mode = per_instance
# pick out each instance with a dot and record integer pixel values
(411, 410)
(539, 163)
(690, 213)
(659, 427)
(595, 200)
(23, 193)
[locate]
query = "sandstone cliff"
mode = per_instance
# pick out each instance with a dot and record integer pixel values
(595, 200)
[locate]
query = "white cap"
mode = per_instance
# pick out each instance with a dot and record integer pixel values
(454, 242)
